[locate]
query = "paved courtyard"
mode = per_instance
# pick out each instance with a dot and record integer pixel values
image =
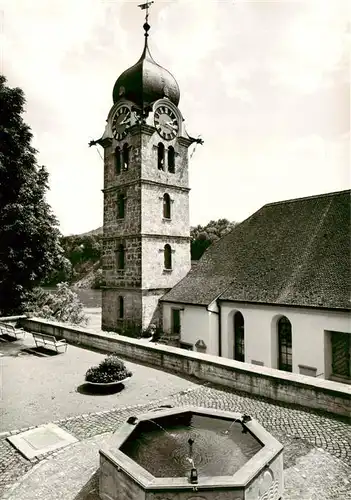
(39, 386)
(41, 389)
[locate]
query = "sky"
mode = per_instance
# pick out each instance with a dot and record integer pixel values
(265, 84)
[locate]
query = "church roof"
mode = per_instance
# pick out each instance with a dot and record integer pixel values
(294, 252)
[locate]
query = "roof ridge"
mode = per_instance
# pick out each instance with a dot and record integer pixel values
(323, 195)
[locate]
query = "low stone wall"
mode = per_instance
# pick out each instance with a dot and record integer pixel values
(274, 384)
(12, 320)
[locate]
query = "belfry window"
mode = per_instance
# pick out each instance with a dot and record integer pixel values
(171, 159)
(118, 160)
(284, 345)
(160, 156)
(120, 257)
(168, 257)
(125, 157)
(121, 307)
(166, 206)
(121, 203)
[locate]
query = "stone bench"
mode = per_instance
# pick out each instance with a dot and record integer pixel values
(42, 339)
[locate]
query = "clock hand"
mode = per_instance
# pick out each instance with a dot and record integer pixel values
(170, 125)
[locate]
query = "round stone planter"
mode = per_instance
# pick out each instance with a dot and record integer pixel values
(107, 384)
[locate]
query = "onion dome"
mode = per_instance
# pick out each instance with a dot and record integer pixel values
(146, 81)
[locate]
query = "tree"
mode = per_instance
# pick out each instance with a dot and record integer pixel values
(29, 235)
(63, 305)
(203, 236)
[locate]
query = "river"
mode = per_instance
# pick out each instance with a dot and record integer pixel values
(91, 300)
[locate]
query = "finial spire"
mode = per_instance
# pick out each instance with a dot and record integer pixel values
(146, 26)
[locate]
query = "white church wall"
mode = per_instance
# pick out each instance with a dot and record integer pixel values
(195, 323)
(309, 346)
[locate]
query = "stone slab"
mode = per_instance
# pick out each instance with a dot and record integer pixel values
(43, 439)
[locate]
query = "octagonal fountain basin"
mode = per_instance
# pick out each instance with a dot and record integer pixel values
(191, 453)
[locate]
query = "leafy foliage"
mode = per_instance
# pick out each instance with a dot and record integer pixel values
(203, 236)
(83, 252)
(111, 369)
(29, 235)
(99, 280)
(80, 248)
(63, 305)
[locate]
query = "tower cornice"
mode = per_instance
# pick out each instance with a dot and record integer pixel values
(145, 181)
(184, 141)
(168, 237)
(105, 142)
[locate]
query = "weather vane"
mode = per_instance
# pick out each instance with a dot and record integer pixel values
(145, 6)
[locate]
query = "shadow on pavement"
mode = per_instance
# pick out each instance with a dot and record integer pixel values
(90, 390)
(90, 490)
(41, 351)
(10, 346)
(7, 338)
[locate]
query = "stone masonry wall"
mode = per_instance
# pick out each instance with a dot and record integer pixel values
(133, 308)
(149, 168)
(111, 178)
(154, 274)
(140, 307)
(131, 223)
(130, 276)
(273, 384)
(152, 220)
(152, 310)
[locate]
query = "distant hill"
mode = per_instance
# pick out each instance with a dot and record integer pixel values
(93, 232)
(84, 251)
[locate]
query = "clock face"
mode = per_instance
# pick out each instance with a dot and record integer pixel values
(121, 122)
(166, 122)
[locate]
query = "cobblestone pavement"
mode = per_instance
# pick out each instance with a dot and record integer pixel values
(317, 455)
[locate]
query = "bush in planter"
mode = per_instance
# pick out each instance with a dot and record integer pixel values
(111, 369)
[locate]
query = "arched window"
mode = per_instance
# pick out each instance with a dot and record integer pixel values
(171, 159)
(118, 160)
(160, 156)
(120, 257)
(121, 307)
(166, 206)
(125, 157)
(168, 257)
(121, 203)
(239, 339)
(284, 345)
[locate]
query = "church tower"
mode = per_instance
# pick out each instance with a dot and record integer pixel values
(146, 233)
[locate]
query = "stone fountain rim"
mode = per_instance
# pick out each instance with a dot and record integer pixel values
(241, 479)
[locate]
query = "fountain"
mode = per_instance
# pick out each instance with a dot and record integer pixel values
(191, 453)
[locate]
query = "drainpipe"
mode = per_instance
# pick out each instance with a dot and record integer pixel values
(220, 319)
(219, 326)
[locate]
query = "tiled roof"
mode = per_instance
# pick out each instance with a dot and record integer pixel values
(294, 252)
